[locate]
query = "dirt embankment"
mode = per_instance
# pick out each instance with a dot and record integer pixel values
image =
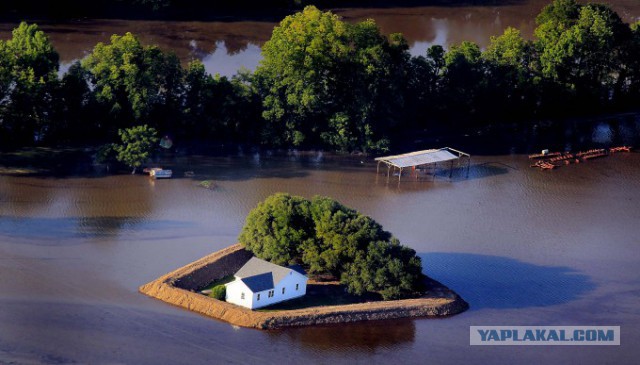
(178, 288)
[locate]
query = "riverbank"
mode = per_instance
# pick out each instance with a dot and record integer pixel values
(178, 288)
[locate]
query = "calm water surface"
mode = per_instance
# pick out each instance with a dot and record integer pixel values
(226, 46)
(524, 247)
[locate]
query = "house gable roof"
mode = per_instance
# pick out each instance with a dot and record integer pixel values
(258, 283)
(260, 275)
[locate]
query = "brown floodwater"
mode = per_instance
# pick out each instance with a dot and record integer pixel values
(227, 45)
(522, 246)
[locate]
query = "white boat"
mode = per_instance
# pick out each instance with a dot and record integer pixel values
(159, 173)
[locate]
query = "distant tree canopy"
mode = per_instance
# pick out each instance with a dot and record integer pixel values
(324, 83)
(135, 83)
(331, 239)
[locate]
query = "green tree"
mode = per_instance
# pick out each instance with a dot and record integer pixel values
(340, 232)
(424, 88)
(463, 78)
(77, 118)
(137, 144)
(298, 68)
(510, 80)
(329, 238)
(218, 107)
(322, 77)
(629, 81)
(28, 79)
(136, 83)
(580, 47)
(277, 228)
(387, 268)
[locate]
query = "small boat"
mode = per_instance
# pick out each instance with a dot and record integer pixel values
(159, 173)
(545, 154)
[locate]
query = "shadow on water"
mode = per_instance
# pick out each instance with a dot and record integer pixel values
(479, 171)
(458, 173)
(55, 230)
(486, 281)
(266, 165)
(362, 336)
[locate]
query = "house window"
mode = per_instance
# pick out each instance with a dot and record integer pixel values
(258, 296)
(242, 295)
(270, 293)
(282, 290)
(297, 286)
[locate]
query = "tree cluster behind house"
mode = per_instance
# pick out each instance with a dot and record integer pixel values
(332, 240)
(323, 83)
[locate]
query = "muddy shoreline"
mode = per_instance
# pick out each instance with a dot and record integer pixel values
(179, 288)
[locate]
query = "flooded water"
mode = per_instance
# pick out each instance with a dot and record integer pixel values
(227, 45)
(522, 246)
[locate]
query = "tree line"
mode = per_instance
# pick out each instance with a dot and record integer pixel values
(323, 83)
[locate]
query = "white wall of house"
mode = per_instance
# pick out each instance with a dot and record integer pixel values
(294, 284)
(290, 292)
(234, 294)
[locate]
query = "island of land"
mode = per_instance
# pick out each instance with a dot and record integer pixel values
(180, 287)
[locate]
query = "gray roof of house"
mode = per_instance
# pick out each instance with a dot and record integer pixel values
(259, 283)
(298, 269)
(261, 275)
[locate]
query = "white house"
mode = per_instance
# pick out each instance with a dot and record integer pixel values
(260, 283)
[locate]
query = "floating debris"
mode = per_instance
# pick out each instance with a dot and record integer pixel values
(556, 159)
(207, 184)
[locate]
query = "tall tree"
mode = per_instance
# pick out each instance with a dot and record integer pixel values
(77, 118)
(136, 83)
(463, 78)
(298, 70)
(340, 233)
(137, 144)
(277, 228)
(28, 78)
(216, 107)
(580, 47)
(510, 79)
(321, 77)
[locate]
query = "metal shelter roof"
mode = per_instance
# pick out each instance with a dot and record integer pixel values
(419, 158)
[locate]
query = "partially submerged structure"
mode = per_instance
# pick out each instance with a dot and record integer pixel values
(428, 158)
(260, 283)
